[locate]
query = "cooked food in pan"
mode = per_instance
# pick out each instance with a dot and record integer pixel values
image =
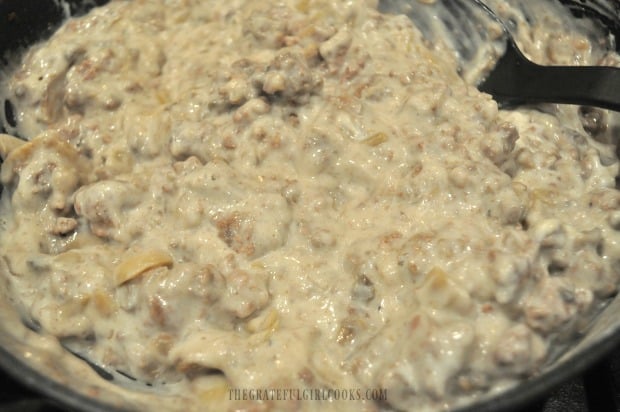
(301, 194)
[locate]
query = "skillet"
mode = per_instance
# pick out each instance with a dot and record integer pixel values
(42, 364)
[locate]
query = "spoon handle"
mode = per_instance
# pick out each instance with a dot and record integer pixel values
(515, 79)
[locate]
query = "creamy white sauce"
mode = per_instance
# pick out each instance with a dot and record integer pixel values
(301, 194)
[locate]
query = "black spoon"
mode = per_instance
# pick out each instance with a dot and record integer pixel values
(514, 79)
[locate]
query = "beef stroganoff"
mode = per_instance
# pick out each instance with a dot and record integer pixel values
(301, 194)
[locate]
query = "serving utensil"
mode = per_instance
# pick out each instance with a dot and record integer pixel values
(513, 79)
